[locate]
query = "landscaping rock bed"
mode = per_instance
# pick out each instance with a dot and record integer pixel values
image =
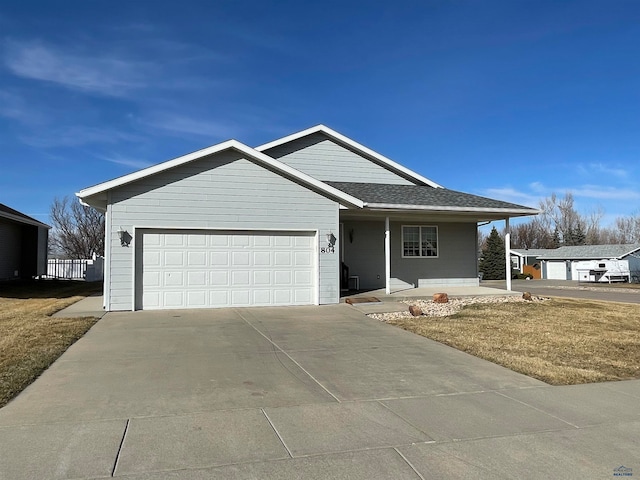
(431, 309)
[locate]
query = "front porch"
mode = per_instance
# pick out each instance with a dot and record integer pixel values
(401, 252)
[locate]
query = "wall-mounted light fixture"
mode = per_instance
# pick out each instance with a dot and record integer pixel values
(125, 238)
(331, 239)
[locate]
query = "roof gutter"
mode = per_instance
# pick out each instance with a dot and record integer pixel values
(434, 208)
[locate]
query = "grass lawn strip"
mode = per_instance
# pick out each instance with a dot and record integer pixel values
(30, 339)
(558, 341)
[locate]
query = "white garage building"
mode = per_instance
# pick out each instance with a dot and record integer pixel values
(592, 263)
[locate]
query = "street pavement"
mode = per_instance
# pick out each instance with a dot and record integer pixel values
(302, 392)
(571, 289)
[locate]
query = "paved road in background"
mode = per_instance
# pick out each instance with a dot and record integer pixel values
(568, 289)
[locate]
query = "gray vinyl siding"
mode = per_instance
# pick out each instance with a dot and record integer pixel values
(223, 191)
(10, 250)
(43, 242)
(322, 158)
(634, 265)
(456, 262)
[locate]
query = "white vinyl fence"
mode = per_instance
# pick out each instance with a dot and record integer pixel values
(91, 270)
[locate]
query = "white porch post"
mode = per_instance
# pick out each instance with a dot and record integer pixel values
(507, 250)
(387, 257)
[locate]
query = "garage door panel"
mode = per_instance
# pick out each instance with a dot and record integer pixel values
(219, 298)
(197, 240)
(282, 259)
(197, 259)
(283, 297)
(197, 298)
(282, 241)
(219, 259)
(187, 269)
(303, 278)
(219, 241)
(262, 278)
(240, 278)
(262, 259)
(173, 279)
(282, 277)
(173, 258)
(240, 298)
(219, 278)
(173, 299)
(261, 297)
(151, 279)
(303, 259)
(240, 259)
(174, 240)
(151, 258)
(302, 296)
(197, 279)
(240, 240)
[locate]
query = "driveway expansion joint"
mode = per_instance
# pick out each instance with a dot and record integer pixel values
(124, 436)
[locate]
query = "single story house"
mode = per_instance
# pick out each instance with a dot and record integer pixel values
(525, 260)
(289, 222)
(23, 245)
(592, 263)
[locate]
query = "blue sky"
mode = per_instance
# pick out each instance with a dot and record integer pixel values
(512, 99)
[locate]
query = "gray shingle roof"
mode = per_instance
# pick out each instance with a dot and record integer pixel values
(15, 215)
(533, 252)
(419, 195)
(591, 252)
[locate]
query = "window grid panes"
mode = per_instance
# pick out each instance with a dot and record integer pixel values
(418, 241)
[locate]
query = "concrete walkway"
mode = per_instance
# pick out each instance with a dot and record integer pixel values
(87, 307)
(302, 392)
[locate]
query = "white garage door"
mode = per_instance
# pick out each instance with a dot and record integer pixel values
(193, 269)
(556, 271)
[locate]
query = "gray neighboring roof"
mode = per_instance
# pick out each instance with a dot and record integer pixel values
(532, 252)
(16, 216)
(385, 195)
(591, 252)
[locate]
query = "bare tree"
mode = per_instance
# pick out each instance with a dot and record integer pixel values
(559, 214)
(78, 231)
(531, 235)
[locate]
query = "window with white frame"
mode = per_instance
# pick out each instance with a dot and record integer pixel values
(419, 241)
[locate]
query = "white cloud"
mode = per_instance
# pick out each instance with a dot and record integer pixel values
(512, 195)
(13, 106)
(73, 136)
(601, 168)
(605, 193)
(101, 74)
(178, 125)
(126, 161)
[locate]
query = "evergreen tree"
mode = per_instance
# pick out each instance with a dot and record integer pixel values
(492, 263)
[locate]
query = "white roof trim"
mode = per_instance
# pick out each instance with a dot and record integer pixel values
(355, 145)
(436, 208)
(229, 144)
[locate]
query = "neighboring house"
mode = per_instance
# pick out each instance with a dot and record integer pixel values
(525, 260)
(281, 224)
(592, 263)
(23, 245)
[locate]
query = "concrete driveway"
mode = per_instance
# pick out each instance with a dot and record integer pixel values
(308, 392)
